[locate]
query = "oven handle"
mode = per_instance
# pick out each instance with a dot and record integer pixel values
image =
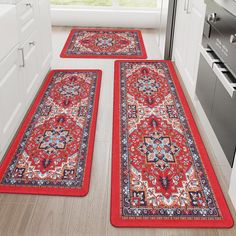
(219, 72)
(205, 54)
(224, 81)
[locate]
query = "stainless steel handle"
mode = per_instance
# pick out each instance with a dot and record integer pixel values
(205, 54)
(22, 57)
(233, 38)
(32, 43)
(28, 5)
(219, 72)
(212, 17)
(224, 81)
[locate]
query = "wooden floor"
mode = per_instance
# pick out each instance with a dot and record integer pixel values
(31, 215)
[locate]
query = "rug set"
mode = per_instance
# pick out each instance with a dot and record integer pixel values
(161, 173)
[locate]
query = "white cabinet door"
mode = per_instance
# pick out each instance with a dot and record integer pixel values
(29, 70)
(23, 69)
(179, 46)
(195, 21)
(190, 17)
(8, 29)
(10, 98)
(45, 33)
(26, 11)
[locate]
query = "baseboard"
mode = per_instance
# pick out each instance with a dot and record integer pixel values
(66, 16)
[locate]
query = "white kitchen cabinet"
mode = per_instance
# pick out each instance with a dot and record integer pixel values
(10, 97)
(26, 18)
(190, 17)
(9, 40)
(24, 67)
(44, 22)
(29, 67)
(179, 49)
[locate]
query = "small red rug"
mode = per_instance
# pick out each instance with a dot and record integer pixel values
(161, 173)
(52, 151)
(104, 43)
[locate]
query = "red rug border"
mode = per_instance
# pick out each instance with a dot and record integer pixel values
(115, 218)
(58, 191)
(64, 55)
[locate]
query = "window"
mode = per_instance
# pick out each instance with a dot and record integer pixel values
(109, 3)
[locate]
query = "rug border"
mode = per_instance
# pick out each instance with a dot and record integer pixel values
(115, 218)
(143, 49)
(58, 191)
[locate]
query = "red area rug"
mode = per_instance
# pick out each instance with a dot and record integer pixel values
(52, 151)
(161, 173)
(104, 43)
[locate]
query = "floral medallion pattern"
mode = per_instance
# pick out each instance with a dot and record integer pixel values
(53, 149)
(104, 43)
(162, 174)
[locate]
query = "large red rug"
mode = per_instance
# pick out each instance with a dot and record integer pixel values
(52, 151)
(161, 173)
(104, 43)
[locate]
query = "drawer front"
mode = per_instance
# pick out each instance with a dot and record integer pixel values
(29, 71)
(223, 121)
(30, 45)
(205, 88)
(26, 14)
(25, 8)
(10, 100)
(8, 30)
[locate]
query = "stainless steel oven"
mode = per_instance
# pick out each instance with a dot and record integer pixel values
(216, 82)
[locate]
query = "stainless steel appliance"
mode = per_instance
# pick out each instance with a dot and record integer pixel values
(216, 83)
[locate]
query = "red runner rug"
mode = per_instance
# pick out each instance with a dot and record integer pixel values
(104, 43)
(52, 151)
(161, 173)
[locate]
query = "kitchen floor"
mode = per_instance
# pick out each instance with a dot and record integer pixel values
(89, 216)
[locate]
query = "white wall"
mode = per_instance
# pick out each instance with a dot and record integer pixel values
(65, 16)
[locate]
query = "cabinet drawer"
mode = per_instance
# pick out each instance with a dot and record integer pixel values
(25, 8)
(205, 87)
(10, 102)
(30, 46)
(26, 18)
(29, 70)
(8, 29)
(223, 120)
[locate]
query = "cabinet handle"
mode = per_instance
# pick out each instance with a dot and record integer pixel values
(28, 5)
(32, 43)
(22, 57)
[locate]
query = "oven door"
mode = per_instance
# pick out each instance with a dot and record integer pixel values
(223, 117)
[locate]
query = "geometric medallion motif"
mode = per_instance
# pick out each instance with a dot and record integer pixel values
(156, 147)
(55, 139)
